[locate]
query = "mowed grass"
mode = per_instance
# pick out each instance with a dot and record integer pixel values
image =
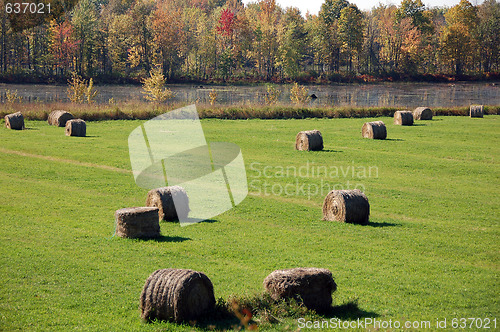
(431, 250)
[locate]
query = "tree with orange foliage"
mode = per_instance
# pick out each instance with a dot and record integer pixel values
(62, 45)
(169, 36)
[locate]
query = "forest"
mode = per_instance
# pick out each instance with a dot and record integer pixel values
(121, 41)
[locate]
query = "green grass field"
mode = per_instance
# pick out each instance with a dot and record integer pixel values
(431, 250)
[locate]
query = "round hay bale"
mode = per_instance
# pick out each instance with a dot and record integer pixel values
(422, 113)
(310, 140)
(403, 118)
(163, 199)
(349, 206)
(59, 118)
(374, 130)
(476, 111)
(312, 286)
(76, 127)
(137, 222)
(14, 121)
(176, 295)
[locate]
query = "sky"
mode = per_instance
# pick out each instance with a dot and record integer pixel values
(314, 5)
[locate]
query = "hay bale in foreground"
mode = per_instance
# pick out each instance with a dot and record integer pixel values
(403, 118)
(59, 118)
(374, 130)
(476, 111)
(14, 121)
(137, 222)
(163, 198)
(349, 206)
(312, 286)
(310, 140)
(422, 113)
(76, 127)
(176, 295)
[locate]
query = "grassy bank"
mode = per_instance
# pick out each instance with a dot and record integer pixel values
(136, 110)
(430, 252)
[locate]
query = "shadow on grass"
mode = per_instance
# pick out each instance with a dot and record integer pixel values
(210, 221)
(327, 150)
(29, 128)
(220, 319)
(419, 124)
(349, 311)
(193, 221)
(164, 238)
(394, 139)
(381, 224)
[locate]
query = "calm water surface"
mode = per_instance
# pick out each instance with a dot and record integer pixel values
(356, 95)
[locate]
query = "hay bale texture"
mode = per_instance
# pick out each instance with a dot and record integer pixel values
(476, 111)
(374, 130)
(403, 118)
(312, 286)
(310, 140)
(176, 295)
(76, 127)
(14, 121)
(349, 206)
(422, 113)
(59, 118)
(163, 199)
(137, 222)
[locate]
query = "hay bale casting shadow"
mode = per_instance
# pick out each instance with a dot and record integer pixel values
(403, 118)
(59, 118)
(163, 199)
(349, 206)
(310, 140)
(476, 111)
(176, 295)
(374, 130)
(422, 113)
(312, 286)
(14, 121)
(137, 222)
(76, 127)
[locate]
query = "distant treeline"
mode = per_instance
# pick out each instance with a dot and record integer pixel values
(226, 41)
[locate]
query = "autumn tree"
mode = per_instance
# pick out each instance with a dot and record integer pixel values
(142, 49)
(85, 23)
(415, 10)
(371, 48)
(120, 42)
(62, 45)
(225, 29)
(351, 32)
(265, 31)
(489, 35)
(458, 40)
(243, 39)
(292, 39)
(327, 32)
(169, 36)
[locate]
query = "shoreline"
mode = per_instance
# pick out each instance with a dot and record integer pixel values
(364, 79)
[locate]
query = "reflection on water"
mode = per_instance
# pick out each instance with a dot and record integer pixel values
(356, 95)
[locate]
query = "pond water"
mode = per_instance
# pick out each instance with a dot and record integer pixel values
(356, 95)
